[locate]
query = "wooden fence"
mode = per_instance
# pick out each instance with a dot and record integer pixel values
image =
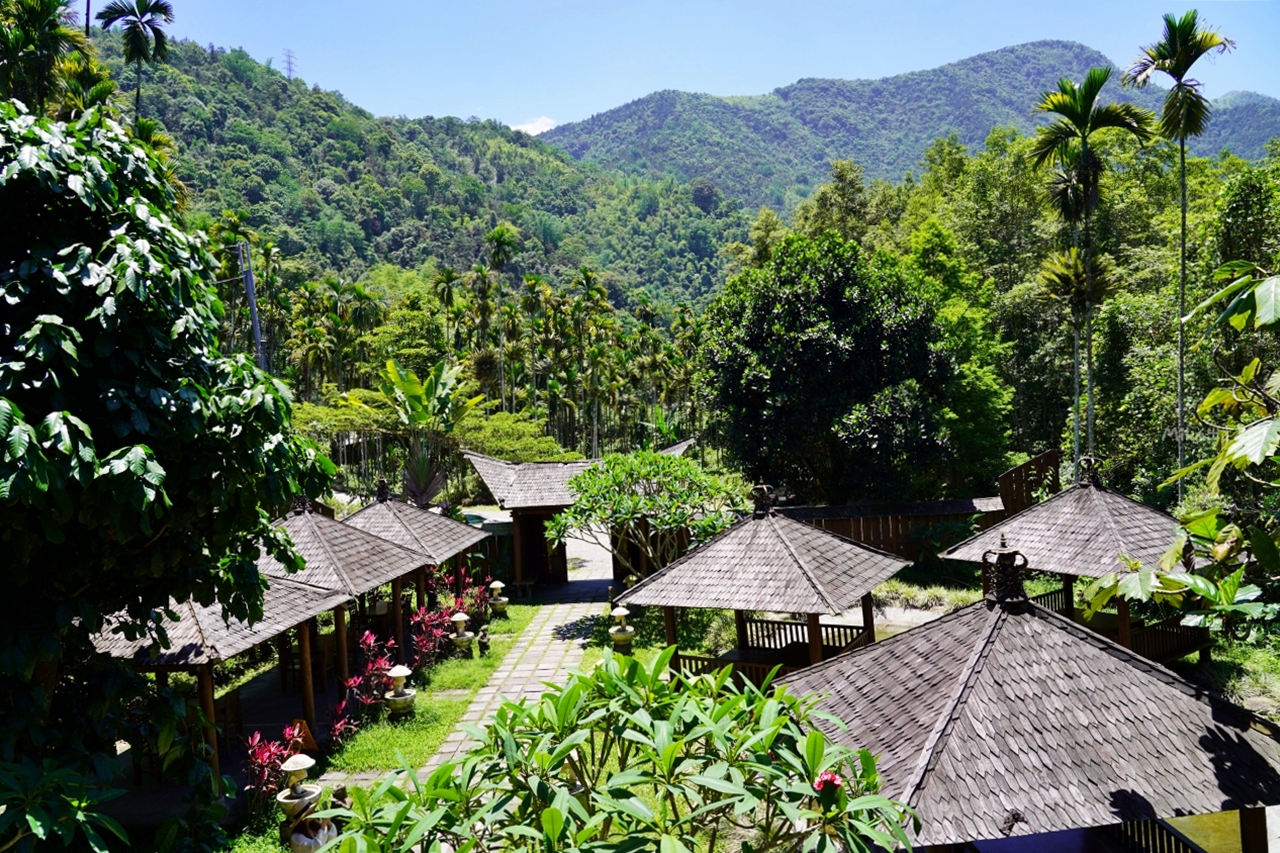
(1019, 485)
(907, 530)
(1169, 640)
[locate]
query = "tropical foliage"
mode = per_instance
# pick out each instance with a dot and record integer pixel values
(647, 507)
(624, 760)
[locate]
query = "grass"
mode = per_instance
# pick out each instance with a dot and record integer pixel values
(698, 632)
(418, 737)
(1244, 672)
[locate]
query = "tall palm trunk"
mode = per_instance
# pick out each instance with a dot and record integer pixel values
(86, 17)
(1182, 308)
(1075, 420)
(137, 95)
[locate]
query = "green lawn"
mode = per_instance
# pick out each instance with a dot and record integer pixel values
(1244, 672)
(419, 736)
(698, 631)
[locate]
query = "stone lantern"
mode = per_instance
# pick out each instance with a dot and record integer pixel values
(461, 637)
(622, 633)
(297, 796)
(498, 601)
(399, 698)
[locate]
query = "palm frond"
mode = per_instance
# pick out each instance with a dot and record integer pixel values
(1186, 111)
(1131, 117)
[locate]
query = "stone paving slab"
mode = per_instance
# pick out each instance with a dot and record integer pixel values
(550, 646)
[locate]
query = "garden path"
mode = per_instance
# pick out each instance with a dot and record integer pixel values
(547, 649)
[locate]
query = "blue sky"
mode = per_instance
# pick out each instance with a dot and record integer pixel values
(562, 61)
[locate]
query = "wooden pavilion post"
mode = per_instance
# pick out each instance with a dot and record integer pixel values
(1123, 636)
(304, 668)
(204, 675)
(517, 548)
(315, 632)
(340, 630)
(1069, 594)
(1253, 830)
(283, 653)
(669, 626)
(869, 617)
(458, 581)
(420, 587)
(740, 628)
(815, 639)
(397, 617)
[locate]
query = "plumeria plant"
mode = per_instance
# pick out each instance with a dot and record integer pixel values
(623, 760)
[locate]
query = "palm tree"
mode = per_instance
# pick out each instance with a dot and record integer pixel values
(1185, 113)
(34, 43)
(1065, 143)
(86, 84)
(144, 38)
(445, 282)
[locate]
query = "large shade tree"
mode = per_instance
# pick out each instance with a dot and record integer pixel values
(1068, 143)
(826, 373)
(1185, 114)
(137, 465)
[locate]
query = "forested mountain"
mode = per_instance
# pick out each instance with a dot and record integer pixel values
(773, 149)
(338, 189)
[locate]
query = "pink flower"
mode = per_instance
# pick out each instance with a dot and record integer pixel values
(825, 778)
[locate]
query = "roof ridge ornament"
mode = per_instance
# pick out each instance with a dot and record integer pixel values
(301, 505)
(1090, 472)
(762, 497)
(1006, 567)
(384, 490)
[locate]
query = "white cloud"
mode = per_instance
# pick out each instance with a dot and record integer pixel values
(534, 126)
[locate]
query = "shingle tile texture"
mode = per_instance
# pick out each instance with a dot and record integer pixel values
(769, 563)
(201, 635)
(1080, 531)
(439, 537)
(528, 485)
(997, 709)
(342, 557)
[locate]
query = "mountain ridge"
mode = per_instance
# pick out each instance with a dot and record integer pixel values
(772, 148)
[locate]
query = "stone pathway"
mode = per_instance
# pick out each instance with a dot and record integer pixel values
(545, 651)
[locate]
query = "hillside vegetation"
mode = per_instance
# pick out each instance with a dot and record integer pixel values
(773, 149)
(337, 188)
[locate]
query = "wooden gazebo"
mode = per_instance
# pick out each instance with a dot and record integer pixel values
(439, 537)
(341, 556)
(1081, 533)
(1006, 719)
(532, 492)
(201, 638)
(767, 562)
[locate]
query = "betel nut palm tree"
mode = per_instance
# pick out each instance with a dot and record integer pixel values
(1068, 143)
(144, 36)
(1184, 114)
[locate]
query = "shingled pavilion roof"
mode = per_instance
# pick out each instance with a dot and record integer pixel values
(769, 562)
(528, 485)
(201, 635)
(342, 556)
(1004, 719)
(439, 537)
(1080, 531)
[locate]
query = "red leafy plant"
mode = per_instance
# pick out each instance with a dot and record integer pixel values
(265, 777)
(430, 636)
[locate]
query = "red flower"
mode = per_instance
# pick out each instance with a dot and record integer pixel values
(825, 778)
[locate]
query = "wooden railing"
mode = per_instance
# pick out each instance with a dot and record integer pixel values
(689, 665)
(1169, 640)
(778, 634)
(905, 529)
(1054, 599)
(1152, 836)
